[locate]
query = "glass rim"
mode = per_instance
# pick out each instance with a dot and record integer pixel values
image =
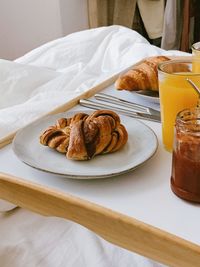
(175, 61)
(195, 48)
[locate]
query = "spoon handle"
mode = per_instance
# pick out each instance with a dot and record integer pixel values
(194, 86)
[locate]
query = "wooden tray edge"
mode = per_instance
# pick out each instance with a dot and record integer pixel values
(114, 227)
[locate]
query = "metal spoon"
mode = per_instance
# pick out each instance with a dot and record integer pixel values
(194, 86)
(196, 89)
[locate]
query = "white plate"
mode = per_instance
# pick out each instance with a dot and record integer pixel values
(142, 144)
(152, 99)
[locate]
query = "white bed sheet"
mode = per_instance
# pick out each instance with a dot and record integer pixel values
(31, 240)
(58, 71)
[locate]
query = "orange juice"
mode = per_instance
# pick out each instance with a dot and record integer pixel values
(176, 94)
(196, 66)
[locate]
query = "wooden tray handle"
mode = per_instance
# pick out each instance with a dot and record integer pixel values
(118, 229)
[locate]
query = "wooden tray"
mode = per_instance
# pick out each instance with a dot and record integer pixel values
(115, 227)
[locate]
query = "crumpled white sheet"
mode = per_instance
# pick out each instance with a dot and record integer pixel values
(57, 72)
(18, 81)
(31, 240)
(62, 69)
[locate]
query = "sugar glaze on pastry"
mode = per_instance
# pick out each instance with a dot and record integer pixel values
(84, 136)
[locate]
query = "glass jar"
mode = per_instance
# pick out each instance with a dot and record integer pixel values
(196, 49)
(185, 177)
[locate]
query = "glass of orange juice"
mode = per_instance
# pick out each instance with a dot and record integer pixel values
(176, 93)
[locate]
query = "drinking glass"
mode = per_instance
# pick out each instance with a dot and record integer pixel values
(196, 49)
(196, 55)
(176, 93)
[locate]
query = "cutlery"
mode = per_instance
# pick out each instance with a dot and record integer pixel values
(127, 104)
(194, 86)
(128, 112)
(197, 89)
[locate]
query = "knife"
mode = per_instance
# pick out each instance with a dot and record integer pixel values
(127, 104)
(100, 105)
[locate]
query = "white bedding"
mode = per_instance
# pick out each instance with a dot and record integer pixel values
(30, 240)
(37, 82)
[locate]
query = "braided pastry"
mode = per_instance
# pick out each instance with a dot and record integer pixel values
(143, 77)
(84, 136)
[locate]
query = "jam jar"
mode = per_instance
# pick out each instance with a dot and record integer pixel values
(185, 175)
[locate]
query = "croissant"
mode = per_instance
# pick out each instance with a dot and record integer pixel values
(143, 77)
(84, 136)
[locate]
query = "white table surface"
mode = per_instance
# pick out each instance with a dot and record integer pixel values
(143, 194)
